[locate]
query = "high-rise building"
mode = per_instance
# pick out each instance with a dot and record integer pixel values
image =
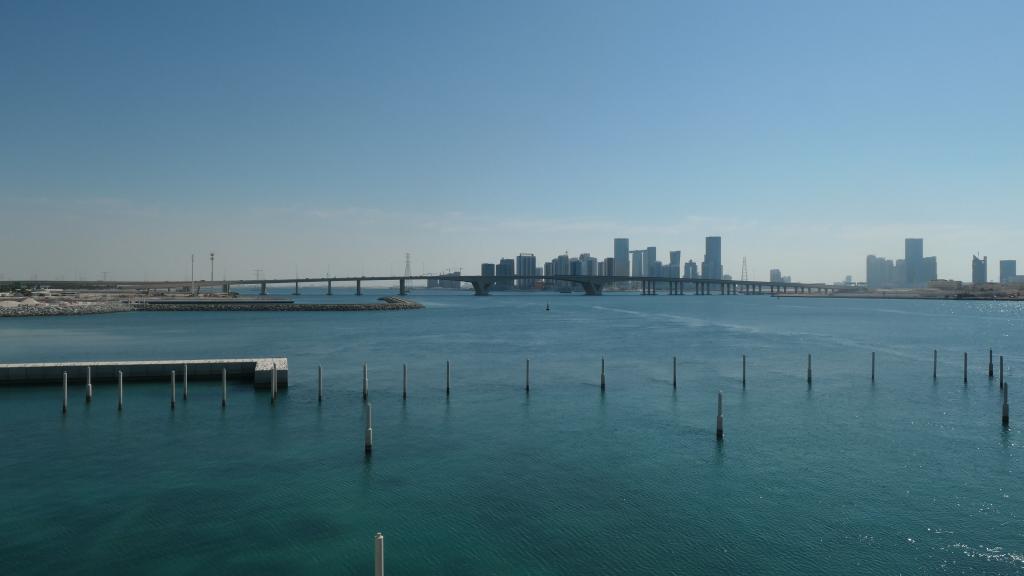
(929, 270)
(913, 258)
(775, 275)
(1007, 270)
(621, 257)
(675, 262)
(487, 269)
(690, 269)
(638, 263)
(650, 257)
(711, 268)
(588, 265)
(979, 270)
(881, 273)
(525, 264)
(506, 267)
(609, 266)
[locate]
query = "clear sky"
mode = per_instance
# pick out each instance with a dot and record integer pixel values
(340, 135)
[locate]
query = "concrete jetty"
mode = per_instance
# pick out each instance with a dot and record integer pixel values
(258, 370)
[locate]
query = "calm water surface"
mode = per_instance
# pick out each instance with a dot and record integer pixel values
(904, 476)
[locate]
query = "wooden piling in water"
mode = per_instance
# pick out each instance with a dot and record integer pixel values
(1006, 405)
(120, 390)
(744, 370)
(273, 383)
(935, 364)
(602, 374)
(872, 366)
(64, 406)
(88, 384)
(527, 375)
(405, 382)
(184, 378)
(808, 369)
(990, 363)
(319, 383)
(378, 555)
(1002, 381)
(965, 367)
(719, 432)
(447, 377)
(368, 438)
(223, 387)
(366, 384)
(673, 371)
(174, 393)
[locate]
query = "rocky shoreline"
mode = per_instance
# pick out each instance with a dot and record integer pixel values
(83, 308)
(64, 309)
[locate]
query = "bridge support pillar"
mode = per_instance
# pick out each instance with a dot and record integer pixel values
(593, 288)
(401, 287)
(225, 288)
(359, 287)
(330, 292)
(481, 288)
(263, 288)
(296, 293)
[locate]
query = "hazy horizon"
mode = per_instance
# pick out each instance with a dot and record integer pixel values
(339, 136)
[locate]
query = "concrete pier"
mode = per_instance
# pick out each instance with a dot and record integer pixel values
(255, 369)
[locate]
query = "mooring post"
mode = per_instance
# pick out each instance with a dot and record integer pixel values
(378, 555)
(935, 364)
(405, 382)
(88, 384)
(447, 377)
(808, 369)
(366, 384)
(1002, 382)
(602, 373)
(173, 386)
(990, 363)
(184, 379)
(872, 366)
(1006, 404)
(120, 390)
(64, 406)
(719, 432)
(673, 371)
(744, 370)
(223, 387)
(273, 383)
(527, 375)
(965, 367)
(369, 428)
(319, 383)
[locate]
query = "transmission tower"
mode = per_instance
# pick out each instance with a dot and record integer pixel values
(743, 272)
(408, 265)
(211, 266)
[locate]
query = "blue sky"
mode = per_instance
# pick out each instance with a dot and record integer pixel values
(340, 135)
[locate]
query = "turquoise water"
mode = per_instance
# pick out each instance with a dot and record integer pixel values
(904, 476)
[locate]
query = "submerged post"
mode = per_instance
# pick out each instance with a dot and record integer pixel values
(366, 384)
(990, 363)
(808, 369)
(405, 382)
(173, 385)
(184, 378)
(965, 367)
(64, 406)
(602, 373)
(319, 383)
(378, 555)
(872, 366)
(368, 439)
(718, 429)
(527, 375)
(447, 377)
(120, 390)
(223, 387)
(673, 371)
(88, 384)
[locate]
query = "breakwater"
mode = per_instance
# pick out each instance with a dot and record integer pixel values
(63, 309)
(258, 370)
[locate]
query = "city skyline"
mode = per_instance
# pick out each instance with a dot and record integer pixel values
(361, 132)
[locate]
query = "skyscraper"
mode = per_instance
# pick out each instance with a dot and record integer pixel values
(650, 257)
(979, 270)
(487, 269)
(675, 262)
(525, 265)
(690, 269)
(505, 267)
(621, 257)
(1007, 270)
(711, 268)
(913, 259)
(638, 263)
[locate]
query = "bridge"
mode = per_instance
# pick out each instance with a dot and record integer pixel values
(482, 285)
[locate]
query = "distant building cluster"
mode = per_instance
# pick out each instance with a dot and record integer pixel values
(913, 271)
(524, 272)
